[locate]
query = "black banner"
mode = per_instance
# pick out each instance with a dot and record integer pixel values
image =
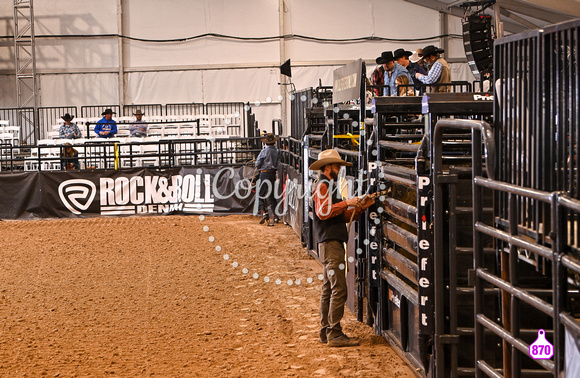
(70, 194)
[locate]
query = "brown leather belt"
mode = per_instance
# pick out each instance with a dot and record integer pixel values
(268, 170)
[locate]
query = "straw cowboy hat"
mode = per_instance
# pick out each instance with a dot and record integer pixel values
(67, 117)
(328, 157)
(108, 111)
(416, 56)
(269, 138)
(138, 112)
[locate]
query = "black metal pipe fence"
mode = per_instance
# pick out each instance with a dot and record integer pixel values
(130, 153)
(150, 110)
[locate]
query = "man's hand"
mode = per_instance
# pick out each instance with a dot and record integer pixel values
(352, 201)
(366, 202)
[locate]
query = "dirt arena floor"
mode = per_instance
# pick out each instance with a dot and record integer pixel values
(169, 296)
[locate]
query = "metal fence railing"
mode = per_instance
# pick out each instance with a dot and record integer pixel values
(130, 153)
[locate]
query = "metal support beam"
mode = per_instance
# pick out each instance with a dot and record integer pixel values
(523, 21)
(510, 27)
(25, 63)
(121, 53)
(283, 81)
(535, 11)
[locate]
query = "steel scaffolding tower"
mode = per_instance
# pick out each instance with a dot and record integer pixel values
(25, 62)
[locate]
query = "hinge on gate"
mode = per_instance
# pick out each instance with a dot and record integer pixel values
(471, 277)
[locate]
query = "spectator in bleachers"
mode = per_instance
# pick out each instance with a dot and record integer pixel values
(69, 130)
(439, 72)
(139, 127)
(392, 70)
(69, 158)
(106, 127)
(267, 164)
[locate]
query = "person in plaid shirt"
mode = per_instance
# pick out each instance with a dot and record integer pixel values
(69, 130)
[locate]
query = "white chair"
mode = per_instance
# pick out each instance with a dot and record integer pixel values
(204, 125)
(53, 134)
(153, 149)
(15, 131)
(128, 153)
(218, 124)
(187, 129)
(233, 124)
(155, 130)
(171, 130)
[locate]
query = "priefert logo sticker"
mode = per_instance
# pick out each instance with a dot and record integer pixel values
(541, 349)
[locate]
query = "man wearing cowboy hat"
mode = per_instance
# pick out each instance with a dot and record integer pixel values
(106, 127)
(331, 215)
(69, 130)
(139, 127)
(378, 76)
(267, 165)
(392, 71)
(402, 57)
(439, 72)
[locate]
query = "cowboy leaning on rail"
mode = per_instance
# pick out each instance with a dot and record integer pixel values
(332, 214)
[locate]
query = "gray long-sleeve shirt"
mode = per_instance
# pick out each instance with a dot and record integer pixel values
(268, 158)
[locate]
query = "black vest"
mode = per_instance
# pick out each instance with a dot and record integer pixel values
(333, 228)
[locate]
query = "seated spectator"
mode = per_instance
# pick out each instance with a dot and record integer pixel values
(106, 127)
(69, 158)
(439, 72)
(404, 91)
(69, 130)
(139, 127)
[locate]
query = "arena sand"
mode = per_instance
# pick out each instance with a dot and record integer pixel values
(169, 296)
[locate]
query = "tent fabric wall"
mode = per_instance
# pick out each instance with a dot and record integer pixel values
(78, 49)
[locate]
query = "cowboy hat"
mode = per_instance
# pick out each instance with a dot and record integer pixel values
(431, 50)
(416, 56)
(108, 111)
(67, 117)
(385, 57)
(270, 138)
(401, 53)
(138, 112)
(326, 157)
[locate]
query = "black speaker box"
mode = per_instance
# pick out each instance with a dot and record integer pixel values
(478, 44)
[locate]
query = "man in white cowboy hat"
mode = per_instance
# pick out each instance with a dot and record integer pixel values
(139, 127)
(106, 127)
(69, 130)
(331, 215)
(267, 165)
